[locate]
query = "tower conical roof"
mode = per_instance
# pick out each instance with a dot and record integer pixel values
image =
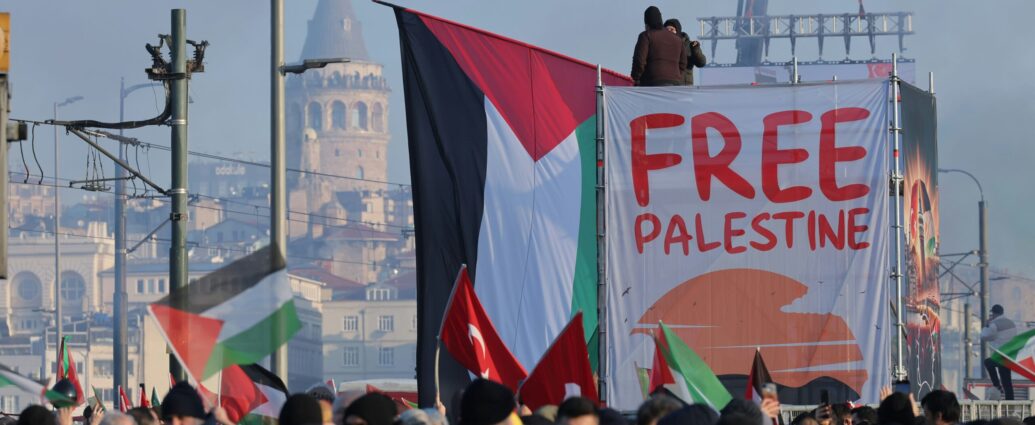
(334, 32)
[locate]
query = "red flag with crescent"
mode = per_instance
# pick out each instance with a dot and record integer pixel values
(469, 336)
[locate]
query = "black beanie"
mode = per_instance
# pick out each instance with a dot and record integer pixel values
(675, 24)
(321, 393)
(36, 415)
(301, 409)
(652, 18)
(486, 402)
(374, 408)
(692, 414)
(182, 400)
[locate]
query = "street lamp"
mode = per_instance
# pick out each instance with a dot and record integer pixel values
(57, 221)
(278, 179)
(982, 254)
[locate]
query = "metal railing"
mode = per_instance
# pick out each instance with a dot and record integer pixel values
(971, 409)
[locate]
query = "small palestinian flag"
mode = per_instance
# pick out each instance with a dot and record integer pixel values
(66, 370)
(249, 393)
(155, 401)
(643, 376)
(11, 379)
(694, 380)
(236, 315)
(1018, 354)
(758, 377)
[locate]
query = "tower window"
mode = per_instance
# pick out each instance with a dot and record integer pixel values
(359, 153)
(315, 116)
(337, 152)
(359, 116)
(359, 173)
(338, 115)
(377, 117)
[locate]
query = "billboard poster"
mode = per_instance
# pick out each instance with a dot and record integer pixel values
(921, 217)
(751, 218)
(713, 75)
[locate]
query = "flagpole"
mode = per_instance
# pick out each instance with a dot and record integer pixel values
(438, 337)
(438, 350)
(219, 389)
(601, 246)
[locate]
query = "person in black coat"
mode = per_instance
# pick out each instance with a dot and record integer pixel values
(695, 56)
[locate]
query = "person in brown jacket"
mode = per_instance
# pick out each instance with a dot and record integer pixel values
(659, 58)
(693, 49)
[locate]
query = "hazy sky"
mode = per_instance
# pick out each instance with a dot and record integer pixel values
(979, 51)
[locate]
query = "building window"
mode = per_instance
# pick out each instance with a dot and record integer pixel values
(386, 323)
(359, 153)
(386, 356)
(351, 323)
(338, 114)
(73, 286)
(140, 286)
(9, 403)
(413, 322)
(161, 286)
(150, 286)
(352, 356)
(337, 152)
(102, 367)
(315, 116)
(360, 174)
(28, 286)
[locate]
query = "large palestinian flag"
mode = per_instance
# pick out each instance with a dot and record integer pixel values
(503, 162)
(238, 314)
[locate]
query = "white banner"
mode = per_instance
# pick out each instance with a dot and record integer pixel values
(751, 218)
(812, 72)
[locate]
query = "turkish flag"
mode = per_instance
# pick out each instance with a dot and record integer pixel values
(470, 337)
(562, 372)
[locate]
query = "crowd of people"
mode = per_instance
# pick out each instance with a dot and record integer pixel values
(486, 402)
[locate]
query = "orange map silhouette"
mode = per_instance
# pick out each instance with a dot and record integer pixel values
(725, 315)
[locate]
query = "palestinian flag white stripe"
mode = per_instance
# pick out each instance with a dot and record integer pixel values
(529, 238)
(248, 308)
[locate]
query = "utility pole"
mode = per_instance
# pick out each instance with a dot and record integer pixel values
(178, 191)
(983, 247)
(966, 340)
(57, 241)
(58, 323)
(120, 350)
(278, 181)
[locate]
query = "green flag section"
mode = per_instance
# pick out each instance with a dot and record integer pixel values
(1018, 354)
(236, 315)
(10, 378)
(155, 401)
(695, 381)
(643, 376)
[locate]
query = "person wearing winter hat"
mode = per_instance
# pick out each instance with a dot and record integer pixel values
(182, 406)
(659, 57)
(301, 409)
(693, 49)
(371, 409)
(36, 415)
(323, 394)
(487, 403)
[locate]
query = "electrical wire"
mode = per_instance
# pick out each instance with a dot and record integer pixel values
(21, 149)
(34, 154)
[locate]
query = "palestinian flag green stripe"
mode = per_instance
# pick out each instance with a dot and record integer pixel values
(699, 380)
(584, 286)
(252, 345)
(1014, 346)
